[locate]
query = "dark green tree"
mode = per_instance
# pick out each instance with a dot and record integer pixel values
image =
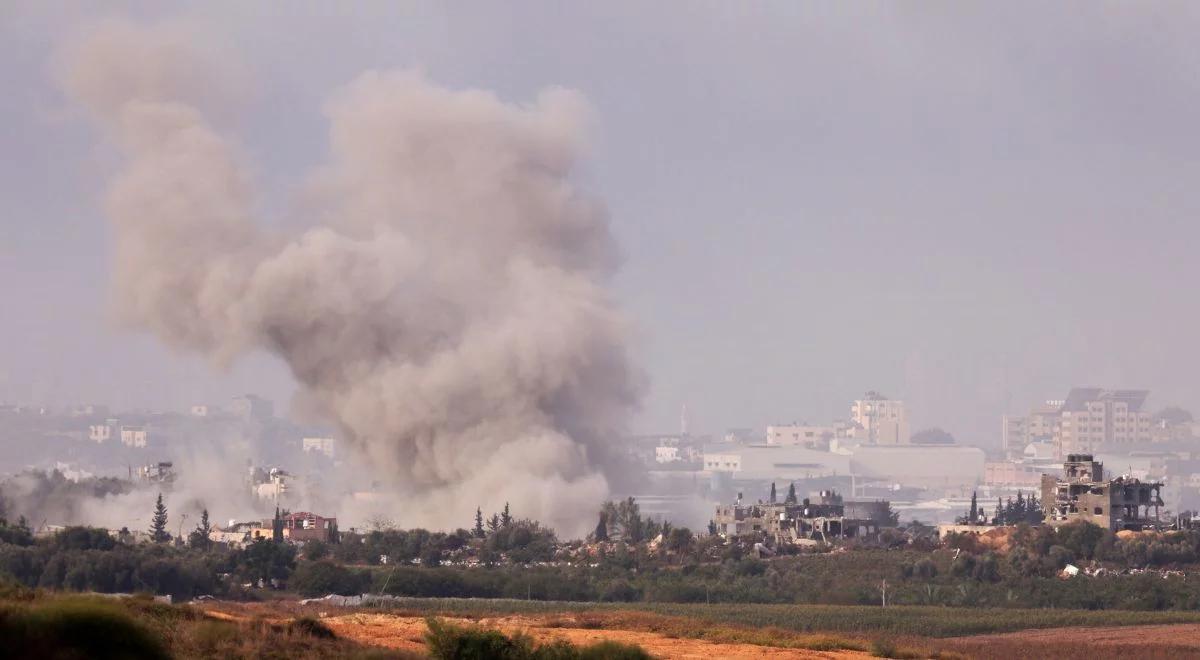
(158, 524)
(791, 496)
(505, 517)
(478, 531)
(199, 537)
(772, 492)
(601, 533)
(493, 523)
(974, 510)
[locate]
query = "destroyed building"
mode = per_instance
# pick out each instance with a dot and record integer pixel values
(825, 517)
(1083, 494)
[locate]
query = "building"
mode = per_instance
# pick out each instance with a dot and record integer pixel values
(1092, 417)
(299, 527)
(102, 433)
(802, 435)
(134, 436)
(1082, 493)
(252, 407)
(884, 420)
(823, 518)
(925, 466)
(667, 454)
(769, 462)
(162, 472)
(201, 410)
(319, 445)
(1041, 425)
(274, 484)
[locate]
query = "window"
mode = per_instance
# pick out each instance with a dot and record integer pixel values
(1099, 511)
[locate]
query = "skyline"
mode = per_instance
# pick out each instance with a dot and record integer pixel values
(841, 205)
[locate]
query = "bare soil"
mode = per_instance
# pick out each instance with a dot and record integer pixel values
(1159, 641)
(407, 633)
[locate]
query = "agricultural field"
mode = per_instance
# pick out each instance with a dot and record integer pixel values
(42, 625)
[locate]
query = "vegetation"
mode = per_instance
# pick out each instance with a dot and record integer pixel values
(447, 641)
(37, 624)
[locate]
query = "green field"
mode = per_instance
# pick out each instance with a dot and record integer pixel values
(902, 620)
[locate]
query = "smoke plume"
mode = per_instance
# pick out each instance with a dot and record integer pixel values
(449, 309)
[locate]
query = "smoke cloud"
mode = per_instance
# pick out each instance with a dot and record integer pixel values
(448, 310)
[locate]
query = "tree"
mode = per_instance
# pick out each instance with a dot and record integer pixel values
(158, 525)
(791, 496)
(199, 537)
(974, 510)
(772, 500)
(1173, 416)
(277, 527)
(601, 533)
(505, 517)
(478, 531)
(493, 523)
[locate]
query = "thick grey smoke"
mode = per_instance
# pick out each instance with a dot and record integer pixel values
(449, 311)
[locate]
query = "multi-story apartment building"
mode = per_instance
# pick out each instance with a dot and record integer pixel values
(884, 420)
(1041, 425)
(1092, 417)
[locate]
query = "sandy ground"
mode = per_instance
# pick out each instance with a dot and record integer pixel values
(402, 632)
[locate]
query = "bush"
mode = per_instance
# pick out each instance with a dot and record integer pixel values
(317, 578)
(77, 629)
(447, 641)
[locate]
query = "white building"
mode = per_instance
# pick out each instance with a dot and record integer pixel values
(801, 435)
(884, 420)
(134, 436)
(275, 486)
(319, 445)
(201, 410)
(668, 454)
(774, 462)
(102, 433)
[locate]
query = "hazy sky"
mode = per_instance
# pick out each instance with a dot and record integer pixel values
(971, 208)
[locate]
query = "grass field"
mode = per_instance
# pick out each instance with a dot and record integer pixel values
(903, 620)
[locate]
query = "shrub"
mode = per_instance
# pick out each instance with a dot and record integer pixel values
(77, 628)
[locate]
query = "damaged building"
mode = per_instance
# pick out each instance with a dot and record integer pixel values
(1082, 493)
(825, 517)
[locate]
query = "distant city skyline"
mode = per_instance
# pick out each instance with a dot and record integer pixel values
(880, 197)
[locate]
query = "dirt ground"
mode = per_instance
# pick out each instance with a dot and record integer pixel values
(1162, 641)
(406, 633)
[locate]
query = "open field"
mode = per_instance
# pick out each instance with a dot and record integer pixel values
(41, 624)
(914, 621)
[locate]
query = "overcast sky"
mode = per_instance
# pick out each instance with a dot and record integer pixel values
(970, 208)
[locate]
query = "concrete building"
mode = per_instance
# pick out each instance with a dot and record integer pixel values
(925, 466)
(768, 462)
(1082, 493)
(250, 406)
(134, 436)
(299, 527)
(102, 433)
(824, 517)
(274, 484)
(667, 454)
(319, 445)
(1041, 425)
(884, 420)
(801, 435)
(1092, 418)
